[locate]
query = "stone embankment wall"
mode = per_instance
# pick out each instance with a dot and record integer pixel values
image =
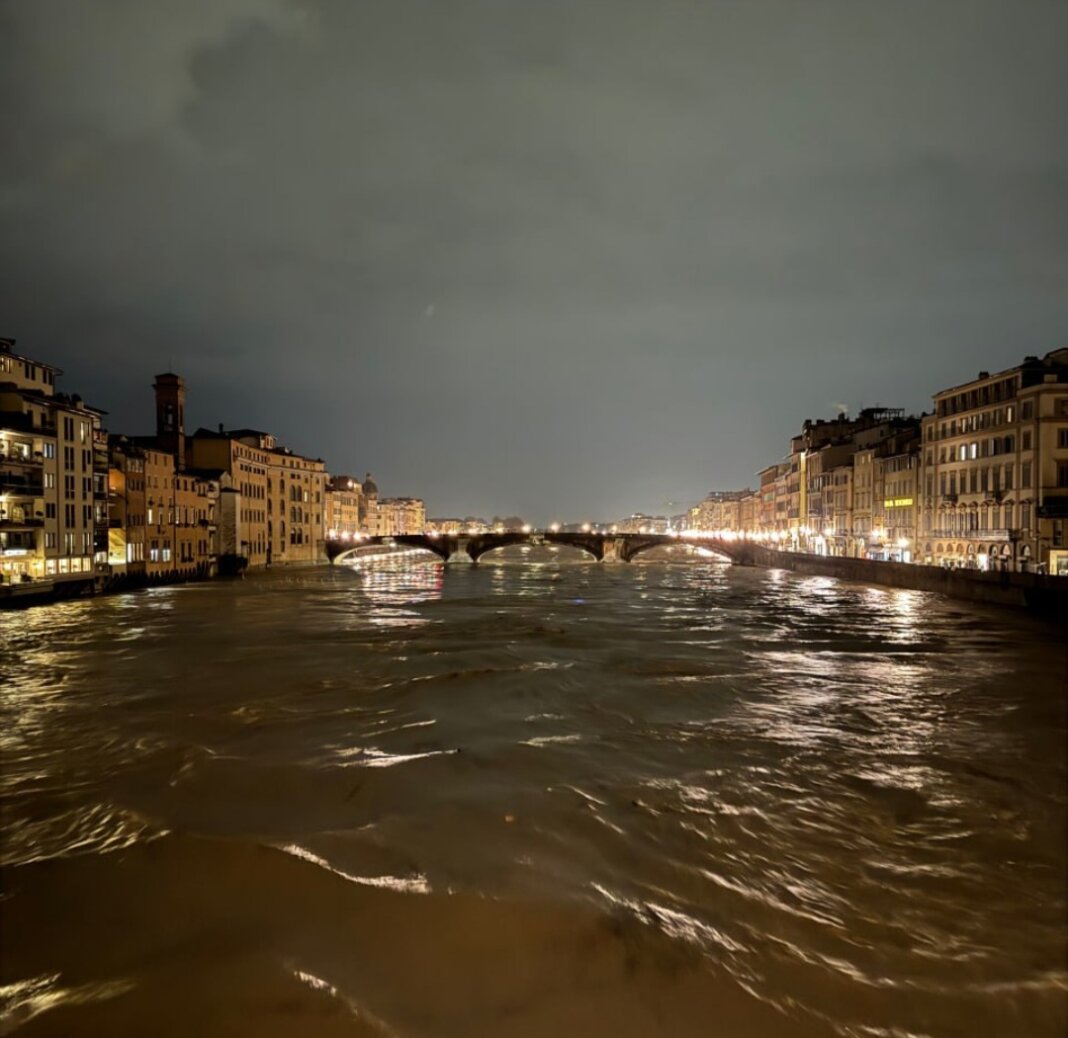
(1026, 590)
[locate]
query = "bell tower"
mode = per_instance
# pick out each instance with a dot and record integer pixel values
(170, 416)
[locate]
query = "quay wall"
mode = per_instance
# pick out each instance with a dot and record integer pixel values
(1035, 591)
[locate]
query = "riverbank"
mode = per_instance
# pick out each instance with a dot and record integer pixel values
(1033, 591)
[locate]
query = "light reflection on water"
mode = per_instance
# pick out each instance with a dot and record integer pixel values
(518, 797)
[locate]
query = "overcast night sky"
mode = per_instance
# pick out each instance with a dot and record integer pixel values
(561, 259)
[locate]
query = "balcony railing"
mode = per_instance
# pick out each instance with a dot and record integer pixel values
(988, 535)
(17, 523)
(19, 542)
(22, 461)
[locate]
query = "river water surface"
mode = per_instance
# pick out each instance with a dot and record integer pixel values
(532, 797)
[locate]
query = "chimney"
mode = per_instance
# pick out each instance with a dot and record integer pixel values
(170, 416)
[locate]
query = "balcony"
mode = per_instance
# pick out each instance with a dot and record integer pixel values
(18, 544)
(15, 522)
(13, 486)
(950, 498)
(22, 422)
(19, 461)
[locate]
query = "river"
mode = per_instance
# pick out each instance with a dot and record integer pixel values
(533, 797)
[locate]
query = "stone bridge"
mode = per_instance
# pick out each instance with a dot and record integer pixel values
(602, 546)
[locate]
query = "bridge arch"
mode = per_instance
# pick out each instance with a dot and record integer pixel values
(591, 543)
(634, 546)
(338, 551)
(480, 544)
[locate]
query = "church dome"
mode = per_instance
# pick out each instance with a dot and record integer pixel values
(369, 486)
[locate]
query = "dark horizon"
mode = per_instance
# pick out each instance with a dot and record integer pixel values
(530, 260)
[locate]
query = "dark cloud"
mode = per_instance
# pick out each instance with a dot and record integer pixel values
(540, 257)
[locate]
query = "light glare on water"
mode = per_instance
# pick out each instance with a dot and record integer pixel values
(532, 797)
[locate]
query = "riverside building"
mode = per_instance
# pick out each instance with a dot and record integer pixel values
(720, 510)
(401, 515)
(390, 516)
(295, 488)
(343, 501)
(53, 477)
(161, 513)
(241, 469)
(995, 473)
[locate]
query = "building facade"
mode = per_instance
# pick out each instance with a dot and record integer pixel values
(294, 501)
(180, 521)
(126, 508)
(720, 510)
(401, 515)
(342, 507)
(245, 466)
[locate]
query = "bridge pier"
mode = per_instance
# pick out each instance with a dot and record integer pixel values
(612, 553)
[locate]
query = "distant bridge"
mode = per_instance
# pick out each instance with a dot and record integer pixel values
(602, 546)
